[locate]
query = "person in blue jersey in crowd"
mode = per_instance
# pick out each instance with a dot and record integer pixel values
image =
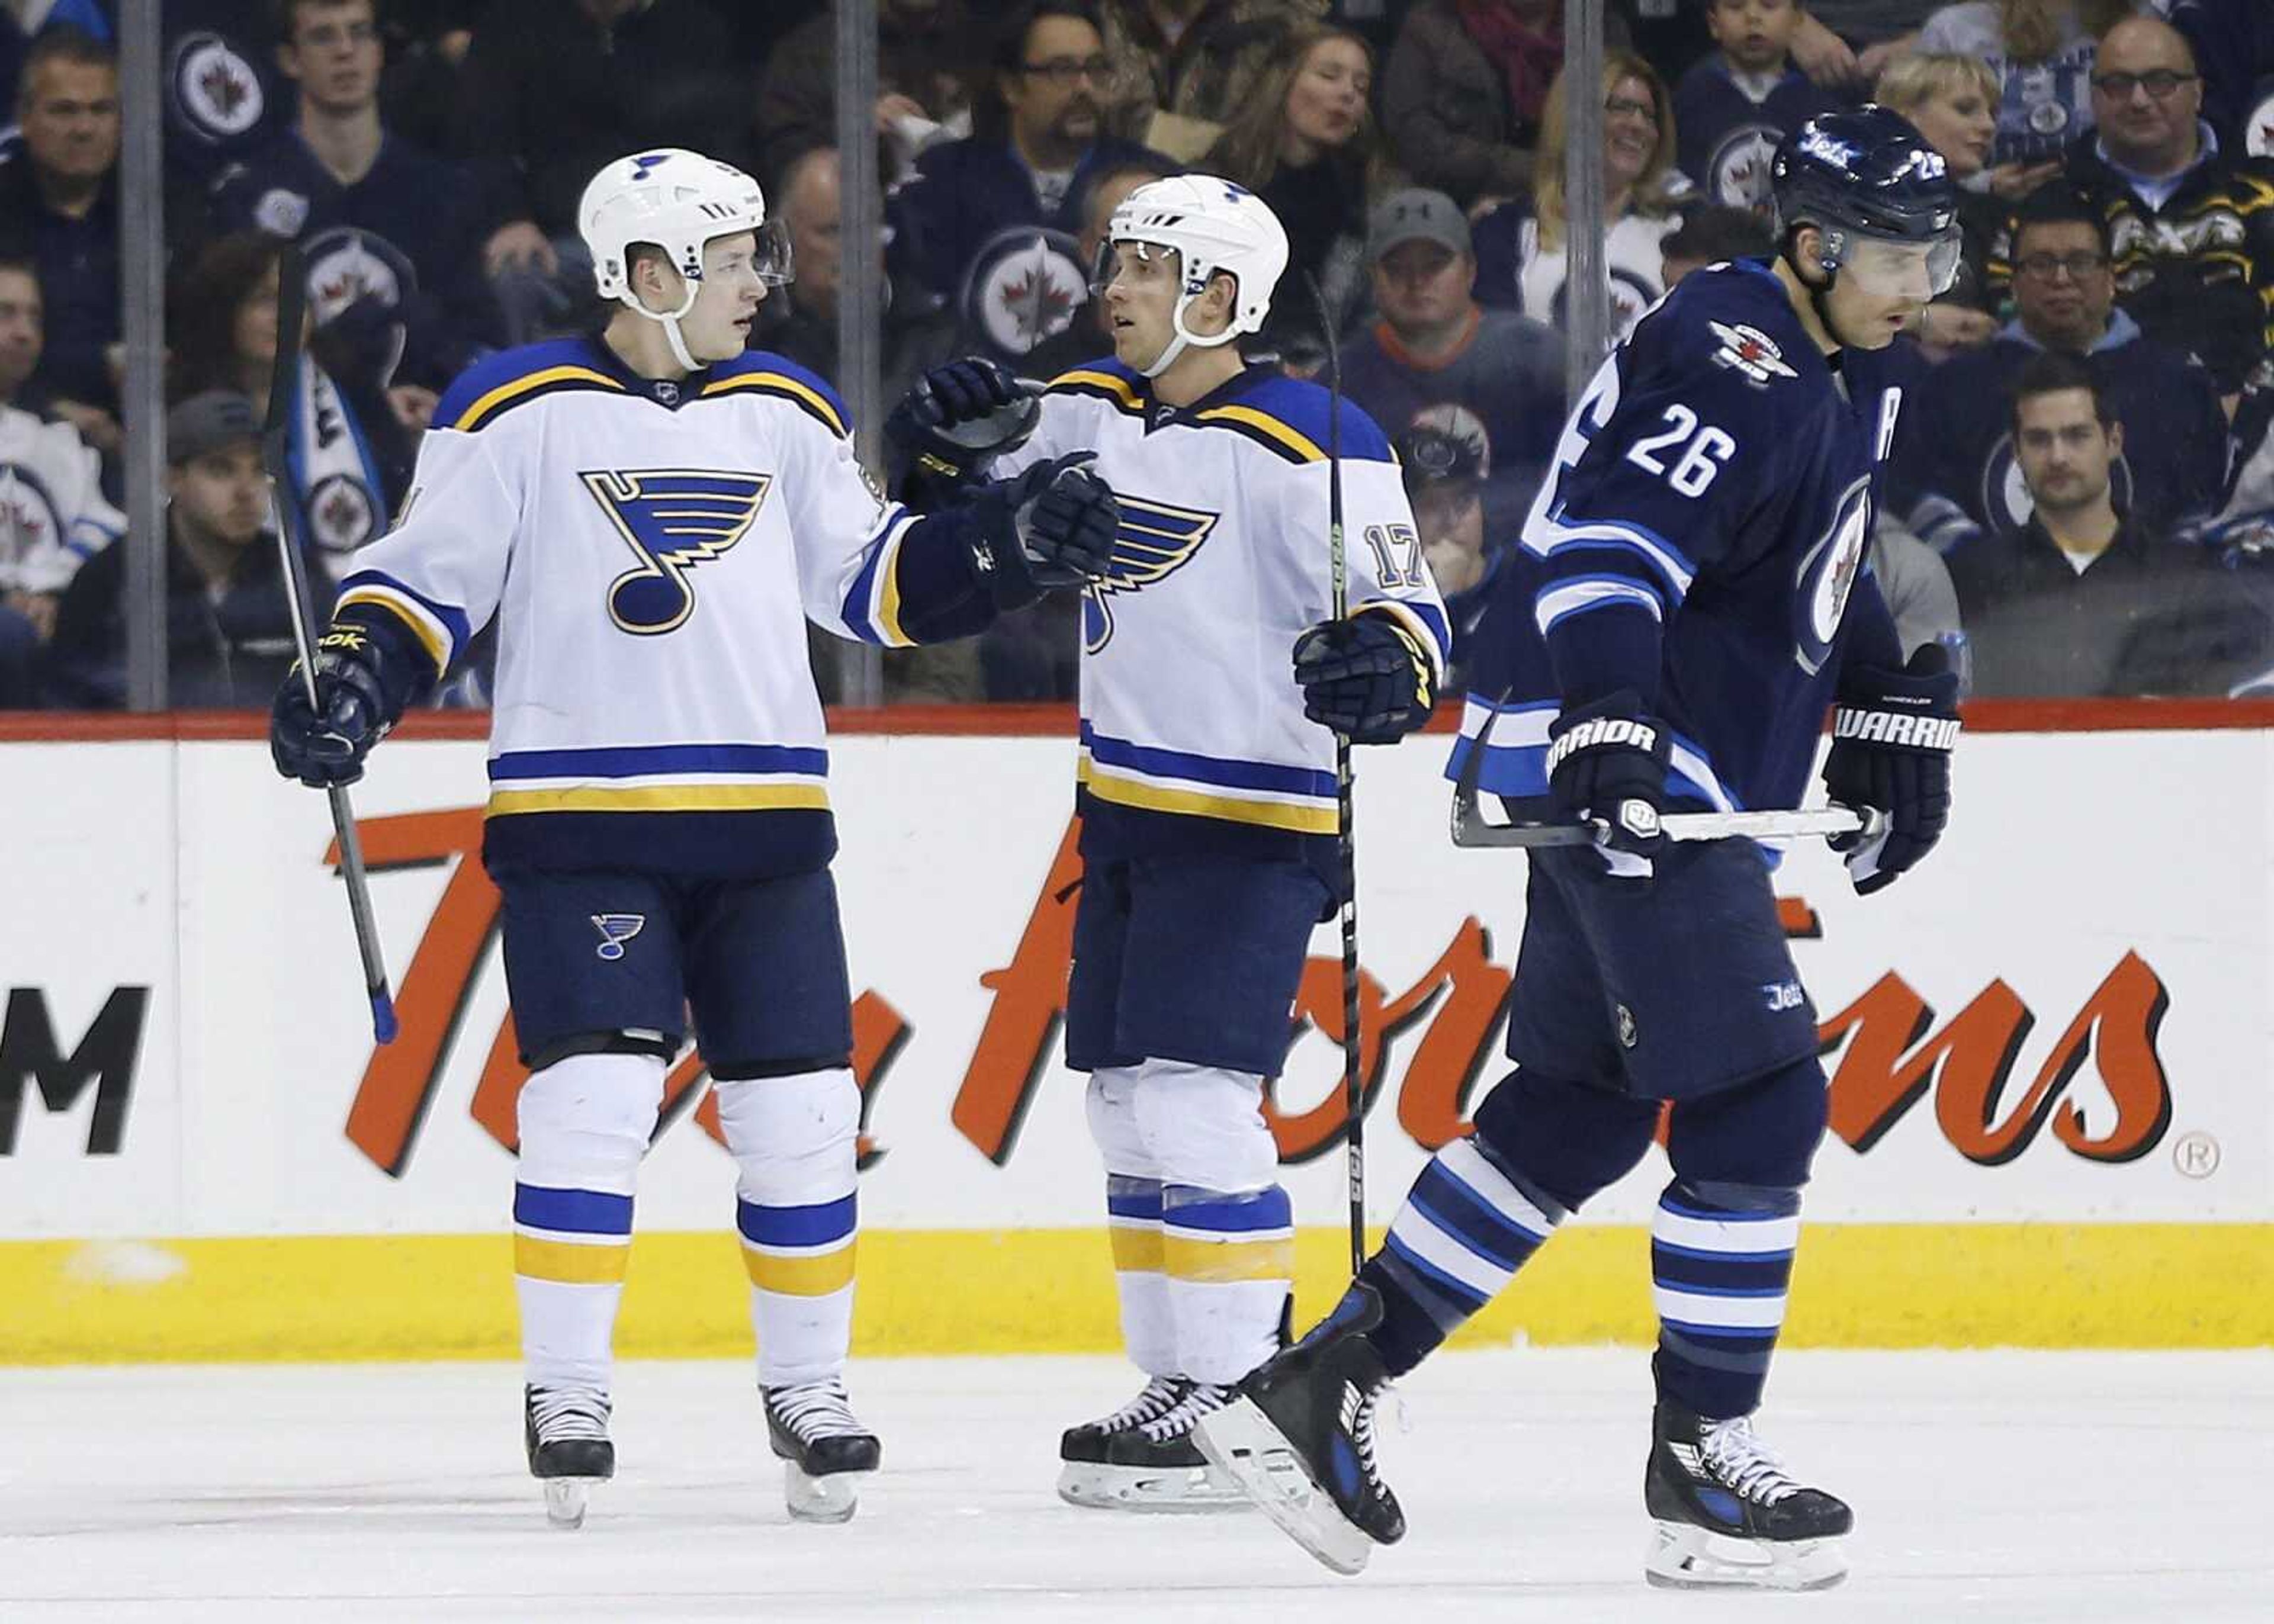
(650, 513)
(1690, 596)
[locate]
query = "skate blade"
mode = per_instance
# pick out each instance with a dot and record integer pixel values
(1190, 1490)
(830, 1498)
(565, 1501)
(1243, 1444)
(1685, 1558)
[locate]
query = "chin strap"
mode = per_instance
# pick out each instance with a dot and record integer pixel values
(670, 321)
(1820, 297)
(1185, 335)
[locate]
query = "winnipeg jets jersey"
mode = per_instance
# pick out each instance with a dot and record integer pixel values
(1193, 731)
(650, 551)
(53, 514)
(1718, 480)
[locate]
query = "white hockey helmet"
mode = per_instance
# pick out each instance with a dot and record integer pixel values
(1215, 227)
(678, 200)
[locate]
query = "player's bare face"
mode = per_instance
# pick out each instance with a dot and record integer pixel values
(718, 328)
(1139, 297)
(1883, 286)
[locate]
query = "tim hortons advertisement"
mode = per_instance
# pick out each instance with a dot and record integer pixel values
(2063, 1015)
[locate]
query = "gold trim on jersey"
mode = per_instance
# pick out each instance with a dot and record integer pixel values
(1302, 819)
(661, 798)
(778, 383)
(1083, 381)
(1303, 447)
(513, 388)
(437, 646)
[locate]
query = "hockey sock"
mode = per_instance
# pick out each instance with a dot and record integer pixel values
(1720, 1259)
(1469, 1222)
(1230, 1259)
(794, 1140)
(584, 1124)
(1133, 1217)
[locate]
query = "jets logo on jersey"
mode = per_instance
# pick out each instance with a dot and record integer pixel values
(672, 519)
(1154, 542)
(1749, 352)
(1827, 575)
(1737, 174)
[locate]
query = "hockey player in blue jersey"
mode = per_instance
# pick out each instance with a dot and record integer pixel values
(1690, 597)
(651, 514)
(1206, 785)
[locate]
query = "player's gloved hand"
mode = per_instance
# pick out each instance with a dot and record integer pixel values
(1064, 518)
(1365, 677)
(324, 745)
(1892, 735)
(958, 416)
(1607, 761)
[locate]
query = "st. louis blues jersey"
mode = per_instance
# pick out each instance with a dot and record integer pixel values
(651, 550)
(1703, 540)
(1193, 731)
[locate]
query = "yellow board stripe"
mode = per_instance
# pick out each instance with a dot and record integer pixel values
(1192, 803)
(569, 1263)
(472, 417)
(1136, 1249)
(810, 1274)
(1302, 445)
(776, 383)
(1221, 1262)
(992, 1291)
(380, 598)
(662, 798)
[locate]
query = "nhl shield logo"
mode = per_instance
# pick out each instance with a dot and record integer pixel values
(616, 929)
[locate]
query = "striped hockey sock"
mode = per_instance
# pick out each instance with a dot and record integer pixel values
(570, 1251)
(1133, 1217)
(1718, 1274)
(1229, 1260)
(800, 1261)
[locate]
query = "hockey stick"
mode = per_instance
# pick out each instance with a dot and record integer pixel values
(283, 380)
(1345, 842)
(1471, 828)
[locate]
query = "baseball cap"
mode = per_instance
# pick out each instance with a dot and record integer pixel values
(1415, 216)
(208, 422)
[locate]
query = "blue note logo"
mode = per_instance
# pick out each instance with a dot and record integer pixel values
(672, 519)
(647, 163)
(616, 929)
(1154, 541)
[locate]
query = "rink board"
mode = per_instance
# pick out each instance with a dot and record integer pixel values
(2050, 1052)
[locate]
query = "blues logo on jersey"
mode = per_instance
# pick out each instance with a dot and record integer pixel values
(1154, 540)
(672, 519)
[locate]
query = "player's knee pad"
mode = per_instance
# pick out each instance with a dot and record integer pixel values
(1568, 1140)
(793, 1138)
(1111, 1103)
(1762, 1134)
(584, 1122)
(1204, 1126)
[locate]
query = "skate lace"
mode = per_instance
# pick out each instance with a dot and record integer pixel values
(569, 1413)
(1199, 1399)
(1745, 1463)
(1362, 1435)
(1161, 1395)
(815, 1410)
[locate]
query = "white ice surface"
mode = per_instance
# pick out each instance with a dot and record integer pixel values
(2004, 1486)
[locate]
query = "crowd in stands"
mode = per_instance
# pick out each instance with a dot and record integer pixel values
(2080, 494)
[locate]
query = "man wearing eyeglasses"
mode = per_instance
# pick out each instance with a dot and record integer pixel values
(1960, 457)
(988, 225)
(2192, 225)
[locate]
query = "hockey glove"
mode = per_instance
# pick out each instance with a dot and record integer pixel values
(957, 417)
(1892, 734)
(1607, 761)
(1365, 677)
(1061, 517)
(325, 746)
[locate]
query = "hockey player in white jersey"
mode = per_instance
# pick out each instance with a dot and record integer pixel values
(1207, 783)
(650, 515)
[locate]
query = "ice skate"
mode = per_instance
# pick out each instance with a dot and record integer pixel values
(1298, 1437)
(1142, 1457)
(566, 1432)
(825, 1448)
(1728, 1515)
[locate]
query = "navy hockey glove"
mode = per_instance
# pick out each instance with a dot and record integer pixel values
(1061, 517)
(1892, 735)
(1607, 761)
(958, 417)
(1365, 677)
(325, 746)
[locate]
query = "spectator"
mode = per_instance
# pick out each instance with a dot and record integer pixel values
(223, 94)
(1735, 106)
(2083, 600)
(553, 89)
(2040, 52)
(2192, 226)
(348, 458)
(52, 500)
(59, 208)
(1845, 45)
(392, 258)
(1445, 488)
(987, 228)
(1306, 144)
(2171, 455)
(2233, 39)
(1713, 236)
(1521, 252)
(1491, 379)
(923, 85)
(1211, 67)
(228, 610)
(1087, 337)
(1466, 93)
(1951, 99)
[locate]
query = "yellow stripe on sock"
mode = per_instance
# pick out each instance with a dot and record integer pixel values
(566, 1263)
(1136, 1250)
(813, 1275)
(1218, 1261)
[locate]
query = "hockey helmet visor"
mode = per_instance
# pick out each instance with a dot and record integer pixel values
(1894, 267)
